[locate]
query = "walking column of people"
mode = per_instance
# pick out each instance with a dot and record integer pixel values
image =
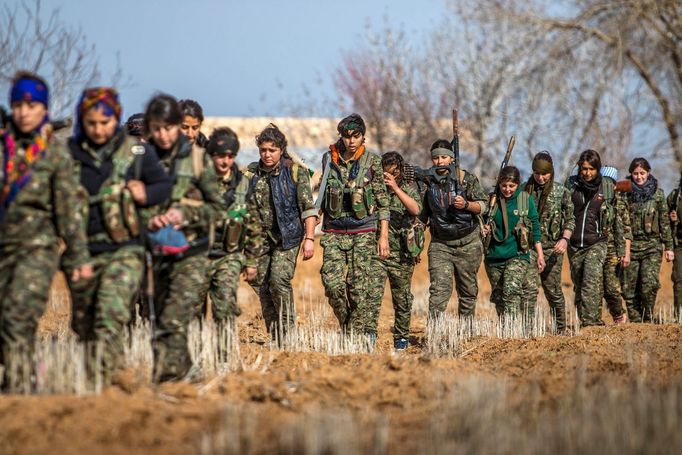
(113, 195)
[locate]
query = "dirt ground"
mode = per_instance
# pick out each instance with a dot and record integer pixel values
(257, 405)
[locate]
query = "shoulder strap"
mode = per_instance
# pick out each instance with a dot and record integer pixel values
(522, 203)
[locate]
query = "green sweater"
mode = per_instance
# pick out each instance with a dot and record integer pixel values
(509, 248)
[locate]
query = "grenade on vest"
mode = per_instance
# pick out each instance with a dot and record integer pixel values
(234, 227)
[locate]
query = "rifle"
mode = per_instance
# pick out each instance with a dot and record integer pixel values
(678, 199)
(505, 162)
(455, 150)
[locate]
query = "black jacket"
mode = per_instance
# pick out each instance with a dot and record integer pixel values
(158, 185)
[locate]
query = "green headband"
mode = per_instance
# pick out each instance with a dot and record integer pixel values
(542, 166)
(442, 152)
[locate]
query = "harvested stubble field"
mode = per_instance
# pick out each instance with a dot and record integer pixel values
(615, 389)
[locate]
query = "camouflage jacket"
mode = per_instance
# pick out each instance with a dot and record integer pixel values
(198, 197)
(650, 223)
(400, 219)
(556, 215)
(263, 232)
(618, 248)
(48, 207)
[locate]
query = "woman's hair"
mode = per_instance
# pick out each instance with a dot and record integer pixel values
(639, 162)
(440, 144)
(272, 134)
(592, 157)
(392, 158)
(509, 174)
(192, 109)
(163, 108)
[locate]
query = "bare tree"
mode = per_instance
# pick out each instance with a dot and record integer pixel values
(585, 74)
(44, 44)
(632, 42)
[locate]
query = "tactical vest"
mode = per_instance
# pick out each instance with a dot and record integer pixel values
(233, 228)
(644, 217)
(284, 200)
(352, 198)
(552, 219)
(447, 222)
(521, 230)
(115, 200)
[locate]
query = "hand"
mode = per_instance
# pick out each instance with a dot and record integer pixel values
(174, 217)
(460, 202)
(84, 272)
(138, 191)
(156, 223)
(625, 260)
(560, 246)
(390, 181)
(384, 250)
(250, 273)
(669, 256)
(541, 262)
(486, 230)
(307, 249)
(673, 215)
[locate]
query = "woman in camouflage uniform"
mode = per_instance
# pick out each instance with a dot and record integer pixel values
(404, 205)
(182, 279)
(40, 198)
(555, 211)
(515, 232)
(596, 213)
(650, 236)
(120, 177)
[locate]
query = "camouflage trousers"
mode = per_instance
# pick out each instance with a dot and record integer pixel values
(550, 279)
(102, 306)
(350, 274)
(223, 276)
(463, 263)
(181, 289)
(587, 271)
(612, 295)
(640, 283)
(399, 272)
(273, 286)
(507, 281)
(25, 278)
(677, 282)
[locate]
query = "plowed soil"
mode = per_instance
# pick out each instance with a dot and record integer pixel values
(403, 390)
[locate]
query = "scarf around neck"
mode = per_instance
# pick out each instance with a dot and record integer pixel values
(589, 188)
(645, 192)
(19, 154)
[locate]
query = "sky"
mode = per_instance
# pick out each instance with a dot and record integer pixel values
(236, 58)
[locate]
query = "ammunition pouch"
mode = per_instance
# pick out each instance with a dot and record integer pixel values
(334, 200)
(414, 239)
(522, 235)
(120, 215)
(358, 202)
(233, 234)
